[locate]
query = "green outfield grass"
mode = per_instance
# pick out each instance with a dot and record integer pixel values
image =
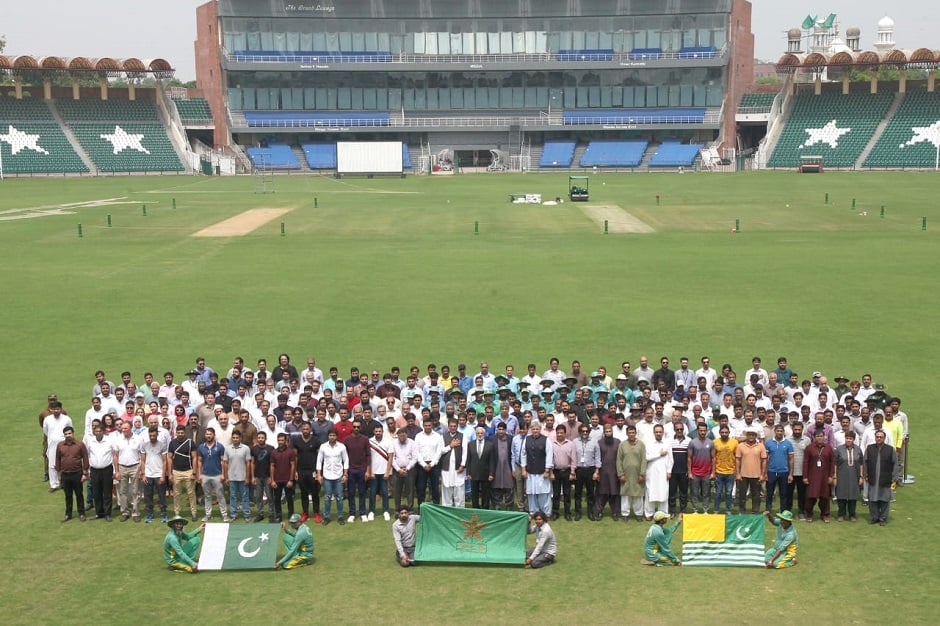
(381, 272)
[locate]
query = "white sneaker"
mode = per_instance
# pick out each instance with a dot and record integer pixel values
(386, 516)
(371, 517)
(351, 519)
(364, 518)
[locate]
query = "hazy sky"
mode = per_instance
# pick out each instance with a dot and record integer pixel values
(166, 28)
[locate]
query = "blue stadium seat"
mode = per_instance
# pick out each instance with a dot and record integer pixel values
(320, 156)
(646, 54)
(672, 154)
(294, 119)
(557, 154)
(405, 156)
(277, 156)
(610, 153)
(634, 116)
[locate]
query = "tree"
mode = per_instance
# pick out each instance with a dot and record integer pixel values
(3, 42)
(769, 80)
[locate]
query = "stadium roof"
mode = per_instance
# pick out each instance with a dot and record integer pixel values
(922, 58)
(79, 66)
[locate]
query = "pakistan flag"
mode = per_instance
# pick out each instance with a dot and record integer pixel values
(471, 535)
(229, 546)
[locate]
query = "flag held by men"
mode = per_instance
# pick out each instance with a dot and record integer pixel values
(471, 535)
(228, 546)
(723, 540)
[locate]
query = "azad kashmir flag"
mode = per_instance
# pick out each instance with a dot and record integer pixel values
(723, 540)
(471, 535)
(248, 546)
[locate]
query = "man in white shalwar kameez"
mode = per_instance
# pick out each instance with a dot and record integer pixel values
(658, 472)
(453, 466)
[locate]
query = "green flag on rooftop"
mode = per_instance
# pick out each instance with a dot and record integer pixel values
(809, 22)
(471, 535)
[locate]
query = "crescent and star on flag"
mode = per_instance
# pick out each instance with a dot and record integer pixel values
(243, 543)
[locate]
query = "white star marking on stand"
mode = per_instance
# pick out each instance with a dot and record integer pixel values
(930, 134)
(19, 140)
(121, 140)
(830, 134)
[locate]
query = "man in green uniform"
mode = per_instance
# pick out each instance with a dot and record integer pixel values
(783, 552)
(299, 544)
(657, 549)
(180, 548)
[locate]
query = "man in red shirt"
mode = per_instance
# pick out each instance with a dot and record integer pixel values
(283, 470)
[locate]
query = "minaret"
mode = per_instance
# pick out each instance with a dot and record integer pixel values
(853, 35)
(885, 41)
(794, 40)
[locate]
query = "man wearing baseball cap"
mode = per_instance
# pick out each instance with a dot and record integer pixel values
(656, 547)
(783, 552)
(299, 544)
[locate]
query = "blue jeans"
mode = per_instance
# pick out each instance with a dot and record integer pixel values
(333, 490)
(777, 480)
(356, 484)
(379, 486)
(238, 492)
(724, 484)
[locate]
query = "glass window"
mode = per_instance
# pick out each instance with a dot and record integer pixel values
(480, 44)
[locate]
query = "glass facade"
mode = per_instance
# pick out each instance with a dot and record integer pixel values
(480, 36)
(473, 27)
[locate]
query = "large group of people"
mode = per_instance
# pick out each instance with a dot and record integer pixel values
(566, 444)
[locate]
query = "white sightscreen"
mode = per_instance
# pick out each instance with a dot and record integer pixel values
(368, 157)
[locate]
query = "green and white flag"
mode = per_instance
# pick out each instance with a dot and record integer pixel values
(723, 540)
(230, 546)
(471, 535)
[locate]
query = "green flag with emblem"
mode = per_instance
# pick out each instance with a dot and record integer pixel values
(471, 535)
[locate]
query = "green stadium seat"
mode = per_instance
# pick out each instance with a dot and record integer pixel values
(95, 121)
(32, 141)
(905, 142)
(193, 110)
(832, 125)
(756, 102)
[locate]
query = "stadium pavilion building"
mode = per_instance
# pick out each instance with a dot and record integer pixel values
(477, 80)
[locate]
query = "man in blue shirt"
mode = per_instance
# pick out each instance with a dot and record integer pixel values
(209, 472)
(779, 468)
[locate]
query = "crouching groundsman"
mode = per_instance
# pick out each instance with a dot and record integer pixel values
(783, 552)
(180, 548)
(657, 547)
(299, 544)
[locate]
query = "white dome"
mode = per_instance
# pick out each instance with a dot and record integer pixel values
(886, 22)
(837, 45)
